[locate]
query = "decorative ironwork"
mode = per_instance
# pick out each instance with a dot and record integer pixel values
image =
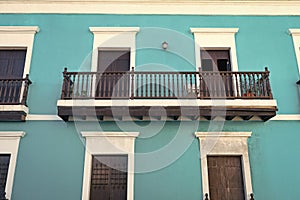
(14, 91)
(166, 85)
(251, 196)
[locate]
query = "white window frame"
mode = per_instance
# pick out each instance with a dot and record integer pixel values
(108, 143)
(9, 144)
(19, 37)
(215, 39)
(114, 38)
(296, 40)
(225, 144)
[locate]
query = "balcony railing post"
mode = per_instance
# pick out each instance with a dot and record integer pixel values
(269, 91)
(63, 92)
(206, 196)
(27, 82)
(200, 84)
(132, 83)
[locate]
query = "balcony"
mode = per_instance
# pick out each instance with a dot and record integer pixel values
(171, 95)
(13, 96)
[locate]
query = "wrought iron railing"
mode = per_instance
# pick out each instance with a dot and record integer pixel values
(14, 91)
(166, 85)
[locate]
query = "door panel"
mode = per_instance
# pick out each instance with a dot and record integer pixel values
(216, 85)
(11, 66)
(225, 178)
(109, 177)
(113, 81)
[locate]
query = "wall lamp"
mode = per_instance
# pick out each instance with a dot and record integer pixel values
(298, 82)
(164, 45)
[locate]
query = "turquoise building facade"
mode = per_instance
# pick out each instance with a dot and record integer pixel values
(51, 158)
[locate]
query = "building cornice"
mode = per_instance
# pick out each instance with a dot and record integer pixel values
(183, 7)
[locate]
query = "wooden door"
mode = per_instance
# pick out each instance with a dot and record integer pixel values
(109, 177)
(11, 67)
(225, 178)
(215, 64)
(114, 80)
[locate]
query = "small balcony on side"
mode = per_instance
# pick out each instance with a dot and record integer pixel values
(142, 95)
(13, 97)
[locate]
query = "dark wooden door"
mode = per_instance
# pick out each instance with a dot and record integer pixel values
(113, 81)
(225, 178)
(109, 177)
(4, 164)
(11, 67)
(215, 64)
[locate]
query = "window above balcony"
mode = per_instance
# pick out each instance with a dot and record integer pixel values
(16, 43)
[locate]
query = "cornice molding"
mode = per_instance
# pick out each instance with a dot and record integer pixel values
(214, 30)
(96, 30)
(19, 29)
(172, 7)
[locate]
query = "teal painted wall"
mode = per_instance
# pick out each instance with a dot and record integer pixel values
(65, 40)
(51, 156)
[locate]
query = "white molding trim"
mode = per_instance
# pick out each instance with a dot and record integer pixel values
(108, 143)
(9, 144)
(114, 29)
(215, 38)
(39, 117)
(225, 143)
(286, 117)
(12, 134)
(109, 134)
(14, 108)
(45, 117)
(19, 36)
(114, 37)
(296, 40)
(19, 29)
(215, 30)
(185, 7)
(169, 102)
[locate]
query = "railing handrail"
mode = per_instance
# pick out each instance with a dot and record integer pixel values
(167, 84)
(168, 72)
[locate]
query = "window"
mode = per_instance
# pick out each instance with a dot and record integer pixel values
(12, 66)
(225, 164)
(109, 177)
(296, 39)
(219, 43)
(113, 81)
(113, 61)
(4, 163)
(9, 144)
(109, 165)
(16, 44)
(113, 39)
(215, 60)
(113, 56)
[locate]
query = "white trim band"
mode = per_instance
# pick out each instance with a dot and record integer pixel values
(184, 7)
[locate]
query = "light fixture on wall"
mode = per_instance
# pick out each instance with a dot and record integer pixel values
(298, 82)
(164, 45)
